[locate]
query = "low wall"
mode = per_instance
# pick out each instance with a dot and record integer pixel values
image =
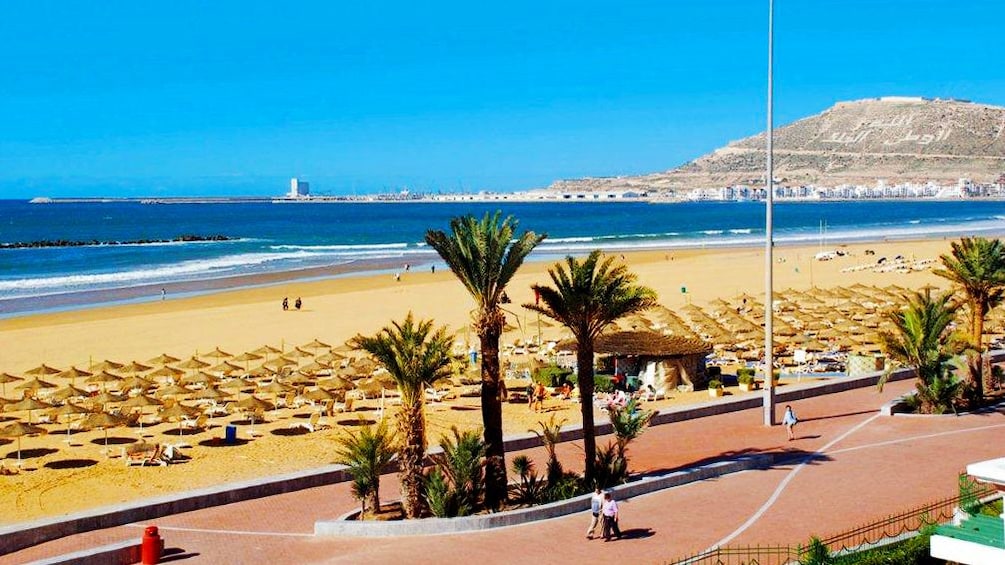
(346, 527)
(121, 553)
(26, 534)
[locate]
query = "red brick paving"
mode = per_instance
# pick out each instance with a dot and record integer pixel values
(859, 479)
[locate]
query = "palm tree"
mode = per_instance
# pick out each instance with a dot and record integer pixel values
(366, 453)
(976, 267)
(921, 340)
(587, 297)
(484, 256)
(415, 355)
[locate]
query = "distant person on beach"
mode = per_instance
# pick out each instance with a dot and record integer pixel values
(286, 303)
(789, 420)
(432, 269)
(539, 395)
(163, 293)
(298, 303)
(407, 267)
(596, 504)
(397, 277)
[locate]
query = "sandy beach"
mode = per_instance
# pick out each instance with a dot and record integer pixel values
(61, 478)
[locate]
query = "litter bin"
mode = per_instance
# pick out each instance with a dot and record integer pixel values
(231, 435)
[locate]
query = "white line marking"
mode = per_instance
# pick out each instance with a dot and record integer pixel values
(785, 482)
(230, 532)
(912, 438)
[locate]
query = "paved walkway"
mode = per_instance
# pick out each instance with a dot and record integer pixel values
(848, 466)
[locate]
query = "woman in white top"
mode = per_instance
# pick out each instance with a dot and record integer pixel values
(789, 420)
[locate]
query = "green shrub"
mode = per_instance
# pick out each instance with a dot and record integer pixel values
(744, 372)
(745, 379)
(914, 551)
(460, 468)
(816, 553)
(610, 469)
(714, 383)
(551, 375)
(531, 488)
(601, 383)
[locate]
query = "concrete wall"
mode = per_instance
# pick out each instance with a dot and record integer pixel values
(122, 553)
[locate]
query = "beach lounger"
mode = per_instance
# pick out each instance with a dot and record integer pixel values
(145, 457)
(313, 425)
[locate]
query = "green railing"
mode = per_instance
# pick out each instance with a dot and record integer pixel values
(936, 512)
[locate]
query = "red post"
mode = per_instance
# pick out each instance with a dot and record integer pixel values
(152, 546)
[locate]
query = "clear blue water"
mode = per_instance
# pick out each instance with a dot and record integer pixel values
(285, 237)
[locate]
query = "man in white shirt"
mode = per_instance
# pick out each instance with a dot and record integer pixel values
(610, 512)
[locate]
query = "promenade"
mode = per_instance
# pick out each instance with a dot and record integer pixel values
(848, 466)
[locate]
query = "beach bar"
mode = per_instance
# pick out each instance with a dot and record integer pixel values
(975, 539)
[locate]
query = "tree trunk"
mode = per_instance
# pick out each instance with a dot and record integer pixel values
(411, 422)
(584, 374)
(374, 496)
(495, 451)
(978, 336)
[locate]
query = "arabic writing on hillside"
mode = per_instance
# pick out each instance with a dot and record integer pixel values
(861, 132)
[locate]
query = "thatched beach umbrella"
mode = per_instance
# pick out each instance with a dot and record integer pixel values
(29, 405)
(319, 395)
(73, 373)
(68, 392)
(7, 378)
(140, 401)
(42, 370)
(251, 405)
(218, 354)
(134, 367)
(106, 365)
(34, 385)
(245, 357)
(104, 377)
(107, 398)
(225, 368)
(267, 350)
(336, 383)
(179, 412)
(329, 358)
(210, 393)
(19, 430)
(192, 363)
(68, 409)
(103, 421)
(163, 359)
(201, 377)
(170, 373)
(136, 382)
(173, 390)
(314, 367)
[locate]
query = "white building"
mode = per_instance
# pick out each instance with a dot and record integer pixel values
(299, 188)
(975, 540)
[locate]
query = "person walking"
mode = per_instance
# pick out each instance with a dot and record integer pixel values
(789, 420)
(298, 303)
(610, 512)
(596, 504)
(286, 303)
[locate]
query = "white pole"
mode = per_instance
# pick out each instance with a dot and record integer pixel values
(769, 389)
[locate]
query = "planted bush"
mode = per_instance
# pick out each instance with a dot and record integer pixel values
(714, 383)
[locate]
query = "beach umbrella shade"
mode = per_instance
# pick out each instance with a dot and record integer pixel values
(253, 404)
(134, 367)
(7, 378)
(28, 405)
(814, 345)
(173, 390)
(237, 383)
(107, 398)
(298, 353)
(209, 393)
(68, 392)
(42, 370)
(178, 412)
(316, 344)
(163, 359)
(107, 365)
(140, 401)
(68, 409)
(225, 368)
(218, 354)
(302, 379)
(34, 385)
(245, 357)
(19, 430)
(261, 371)
(136, 382)
(103, 421)
(201, 377)
(166, 371)
(192, 363)
(267, 350)
(314, 367)
(337, 383)
(329, 358)
(73, 374)
(319, 395)
(104, 377)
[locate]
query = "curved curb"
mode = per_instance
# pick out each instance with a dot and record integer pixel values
(434, 526)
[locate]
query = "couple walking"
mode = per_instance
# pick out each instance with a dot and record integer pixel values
(605, 511)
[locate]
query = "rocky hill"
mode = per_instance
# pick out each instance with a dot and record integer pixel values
(897, 139)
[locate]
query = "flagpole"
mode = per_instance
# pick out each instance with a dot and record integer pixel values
(769, 183)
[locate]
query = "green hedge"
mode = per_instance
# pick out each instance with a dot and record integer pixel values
(743, 372)
(545, 375)
(914, 551)
(601, 383)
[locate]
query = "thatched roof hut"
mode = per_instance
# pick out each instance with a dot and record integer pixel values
(663, 361)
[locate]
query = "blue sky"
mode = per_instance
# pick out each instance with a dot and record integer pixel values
(130, 98)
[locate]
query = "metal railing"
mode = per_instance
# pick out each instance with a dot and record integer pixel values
(939, 511)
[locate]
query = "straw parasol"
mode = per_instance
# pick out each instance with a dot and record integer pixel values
(201, 377)
(103, 420)
(319, 395)
(73, 373)
(163, 359)
(134, 367)
(34, 384)
(7, 378)
(314, 367)
(192, 363)
(68, 409)
(253, 404)
(68, 392)
(337, 383)
(141, 401)
(173, 390)
(178, 412)
(298, 353)
(136, 382)
(28, 405)
(267, 350)
(225, 368)
(316, 344)
(245, 357)
(107, 365)
(42, 370)
(166, 371)
(237, 383)
(104, 377)
(209, 393)
(19, 430)
(218, 354)
(107, 398)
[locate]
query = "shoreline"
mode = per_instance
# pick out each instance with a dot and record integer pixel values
(55, 303)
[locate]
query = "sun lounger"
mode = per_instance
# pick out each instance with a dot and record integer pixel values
(145, 457)
(313, 425)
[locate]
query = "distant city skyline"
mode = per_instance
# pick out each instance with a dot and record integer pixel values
(230, 98)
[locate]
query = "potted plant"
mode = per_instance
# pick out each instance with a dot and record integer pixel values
(715, 388)
(747, 382)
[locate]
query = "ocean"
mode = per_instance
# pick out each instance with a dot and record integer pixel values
(335, 239)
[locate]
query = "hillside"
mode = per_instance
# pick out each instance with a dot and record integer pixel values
(896, 139)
